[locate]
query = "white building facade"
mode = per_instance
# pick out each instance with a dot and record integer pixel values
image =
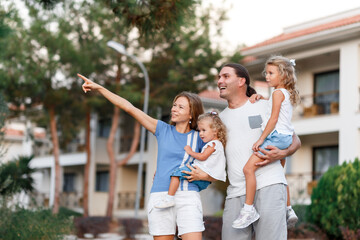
(327, 54)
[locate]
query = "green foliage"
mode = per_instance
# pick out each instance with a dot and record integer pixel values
(15, 176)
(66, 213)
(154, 17)
(186, 60)
(335, 202)
(4, 111)
(5, 29)
(300, 210)
(33, 224)
(41, 60)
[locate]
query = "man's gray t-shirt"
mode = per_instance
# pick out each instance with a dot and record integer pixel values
(244, 129)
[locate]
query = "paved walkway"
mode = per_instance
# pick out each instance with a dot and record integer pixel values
(108, 236)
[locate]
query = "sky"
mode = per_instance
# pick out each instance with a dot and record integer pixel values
(253, 21)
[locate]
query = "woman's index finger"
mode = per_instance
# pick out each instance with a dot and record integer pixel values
(82, 77)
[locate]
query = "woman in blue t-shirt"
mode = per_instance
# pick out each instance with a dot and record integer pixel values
(171, 138)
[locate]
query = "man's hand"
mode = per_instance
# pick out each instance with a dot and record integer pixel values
(270, 156)
(197, 174)
(276, 154)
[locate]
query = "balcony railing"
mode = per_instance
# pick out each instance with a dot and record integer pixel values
(301, 186)
(317, 104)
(38, 199)
(126, 200)
(71, 200)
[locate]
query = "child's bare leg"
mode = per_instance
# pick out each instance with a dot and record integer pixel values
(169, 199)
(288, 196)
(249, 171)
(282, 161)
(291, 217)
(174, 184)
(248, 213)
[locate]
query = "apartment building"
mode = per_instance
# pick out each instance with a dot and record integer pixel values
(327, 54)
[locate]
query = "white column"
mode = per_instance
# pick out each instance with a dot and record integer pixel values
(52, 184)
(92, 171)
(27, 142)
(349, 105)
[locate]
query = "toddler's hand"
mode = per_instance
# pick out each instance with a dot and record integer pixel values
(187, 149)
(255, 97)
(256, 145)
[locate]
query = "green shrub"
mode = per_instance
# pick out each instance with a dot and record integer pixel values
(300, 210)
(16, 176)
(33, 224)
(335, 202)
(66, 213)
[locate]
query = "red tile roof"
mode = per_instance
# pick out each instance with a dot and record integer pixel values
(303, 32)
(13, 132)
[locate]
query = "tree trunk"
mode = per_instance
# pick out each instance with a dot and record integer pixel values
(113, 167)
(55, 142)
(87, 166)
(110, 148)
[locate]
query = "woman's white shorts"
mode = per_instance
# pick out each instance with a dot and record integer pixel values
(186, 214)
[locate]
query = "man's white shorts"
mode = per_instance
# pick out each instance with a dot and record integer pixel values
(186, 214)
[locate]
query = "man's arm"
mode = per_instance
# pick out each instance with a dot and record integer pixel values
(197, 174)
(275, 154)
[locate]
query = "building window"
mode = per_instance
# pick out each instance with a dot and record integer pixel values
(102, 181)
(69, 182)
(127, 134)
(104, 127)
(324, 158)
(327, 91)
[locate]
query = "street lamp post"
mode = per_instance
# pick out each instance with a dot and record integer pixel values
(121, 49)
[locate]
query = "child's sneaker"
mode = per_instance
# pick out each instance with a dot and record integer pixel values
(165, 203)
(291, 218)
(246, 218)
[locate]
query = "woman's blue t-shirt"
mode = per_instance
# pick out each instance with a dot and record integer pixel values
(171, 155)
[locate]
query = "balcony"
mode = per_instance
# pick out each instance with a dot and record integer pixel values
(318, 104)
(71, 200)
(301, 186)
(126, 200)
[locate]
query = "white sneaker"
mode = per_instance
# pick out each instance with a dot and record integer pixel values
(291, 218)
(165, 203)
(246, 218)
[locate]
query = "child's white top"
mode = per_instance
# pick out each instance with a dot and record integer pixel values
(216, 162)
(283, 124)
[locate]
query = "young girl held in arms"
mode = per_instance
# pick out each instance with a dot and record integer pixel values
(277, 131)
(211, 159)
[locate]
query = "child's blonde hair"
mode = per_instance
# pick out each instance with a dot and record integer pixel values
(215, 124)
(286, 69)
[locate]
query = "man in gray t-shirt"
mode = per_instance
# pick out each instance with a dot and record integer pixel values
(243, 120)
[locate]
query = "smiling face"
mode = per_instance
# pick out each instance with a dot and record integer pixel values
(228, 82)
(206, 133)
(272, 76)
(180, 111)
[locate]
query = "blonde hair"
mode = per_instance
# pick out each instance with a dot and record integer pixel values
(196, 107)
(215, 124)
(288, 77)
